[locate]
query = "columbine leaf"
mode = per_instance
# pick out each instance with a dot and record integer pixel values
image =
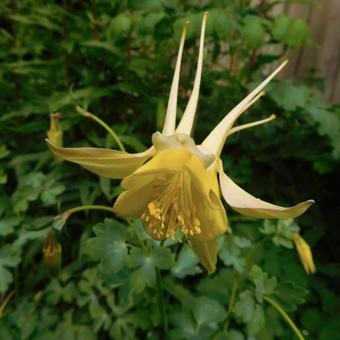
(257, 321)
(289, 295)
(186, 264)
(245, 306)
(250, 313)
(8, 258)
(108, 246)
(144, 276)
(162, 258)
(263, 284)
(206, 311)
(231, 253)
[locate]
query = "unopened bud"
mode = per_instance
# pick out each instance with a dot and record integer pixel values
(52, 253)
(55, 134)
(305, 253)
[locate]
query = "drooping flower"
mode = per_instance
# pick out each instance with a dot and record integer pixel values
(173, 186)
(305, 254)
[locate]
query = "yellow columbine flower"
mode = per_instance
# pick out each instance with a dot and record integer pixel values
(173, 185)
(305, 253)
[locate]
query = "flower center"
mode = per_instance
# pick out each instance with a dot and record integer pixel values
(172, 209)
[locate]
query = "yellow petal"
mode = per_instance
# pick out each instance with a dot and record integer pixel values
(133, 203)
(212, 216)
(103, 162)
(169, 159)
(206, 251)
(248, 205)
(187, 120)
(305, 253)
(215, 140)
(170, 118)
(209, 208)
(249, 125)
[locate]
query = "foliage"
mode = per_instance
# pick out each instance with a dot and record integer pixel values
(113, 58)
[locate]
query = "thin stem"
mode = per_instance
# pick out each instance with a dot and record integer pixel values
(281, 311)
(234, 288)
(66, 214)
(238, 278)
(5, 302)
(104, 125)
(136, 233)
(161, 302)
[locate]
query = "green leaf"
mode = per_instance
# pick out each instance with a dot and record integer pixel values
(250, 313)
(162, 258)
(281, 231)
(144, 276)
(232, 252)
(257, 321)
(150, 21)
(7, 225)
(291, 31)
(263, 284)
(223, 23)
(108, 246)
(6, 279)
(3, 151)
(207, 311)
(119, 27)
(329, 125)
(289, 295)
(289, 96)
(252, 31)
(186, 264)
(245, 306)
(9, 257)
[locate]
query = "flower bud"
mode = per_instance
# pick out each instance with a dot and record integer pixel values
(55, 134)
(305, 253)
(52, 253)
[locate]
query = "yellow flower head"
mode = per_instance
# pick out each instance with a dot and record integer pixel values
(305, 253)
(173, 186)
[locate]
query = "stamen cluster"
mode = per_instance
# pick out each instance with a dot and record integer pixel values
(172, 209)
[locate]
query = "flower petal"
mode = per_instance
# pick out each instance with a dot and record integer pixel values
(185, 125)
(212, 216)
(215, 140)
(209, 208)
(133, 203)
(103, 162)
(248, 205)
(304, 253)
(162, 164)
(206, 251)
(170, 118)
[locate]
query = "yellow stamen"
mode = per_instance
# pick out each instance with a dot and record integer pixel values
(173, 208)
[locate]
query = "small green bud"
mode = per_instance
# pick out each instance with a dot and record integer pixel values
(52, 253)
(55, 134)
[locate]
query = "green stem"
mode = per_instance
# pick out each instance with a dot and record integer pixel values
(234, 288)
(4, 303)
(290, 322)
(104, 125)
(136, 233)
(161, 302)
(238, 279)
(66, 214)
